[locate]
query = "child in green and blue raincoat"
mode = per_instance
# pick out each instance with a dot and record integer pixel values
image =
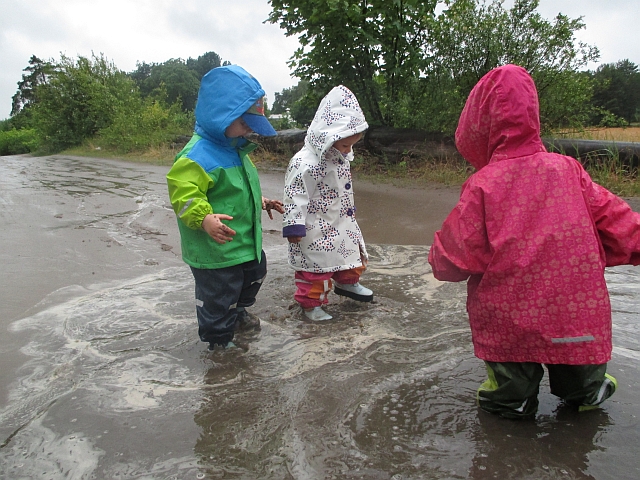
(215, 192)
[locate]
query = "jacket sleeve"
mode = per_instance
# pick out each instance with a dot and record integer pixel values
(298, 190)
(461, 247)
(188, 185)
(618, 226)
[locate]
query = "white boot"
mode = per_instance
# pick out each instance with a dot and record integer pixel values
(355, 291)
(317, 314)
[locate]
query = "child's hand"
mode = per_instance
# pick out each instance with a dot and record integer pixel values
(269, 205)
(364, 258)
(217, 230)
(294, 239)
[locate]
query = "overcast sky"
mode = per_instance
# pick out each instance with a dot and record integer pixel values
(127, 31)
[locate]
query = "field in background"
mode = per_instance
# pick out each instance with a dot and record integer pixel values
(628, 134)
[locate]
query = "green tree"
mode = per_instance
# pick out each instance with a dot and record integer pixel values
(37, 73)
(413, 63)
(299, 101)
(617, 89)
(172, 78)
(79, 99)
(141, 73)
(372, 47)
(178, 79)
(565, 99)
(472, 37)
(285, 99)
(204, 63)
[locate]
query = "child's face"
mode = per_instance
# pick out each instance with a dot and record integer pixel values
(238, 128)
(345, 145)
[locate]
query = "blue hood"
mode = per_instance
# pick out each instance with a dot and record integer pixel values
(225, 94)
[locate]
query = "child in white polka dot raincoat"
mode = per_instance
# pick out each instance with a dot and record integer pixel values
(325, 242)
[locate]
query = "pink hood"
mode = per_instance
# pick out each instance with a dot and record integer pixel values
(500, 119)
(532, 234)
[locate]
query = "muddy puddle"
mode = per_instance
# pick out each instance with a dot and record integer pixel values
(104, 376)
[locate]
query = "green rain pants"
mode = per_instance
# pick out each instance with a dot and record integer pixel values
(511, 390)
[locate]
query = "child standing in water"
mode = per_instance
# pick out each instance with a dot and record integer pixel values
(533, 234)
(325, 242)
(215, 192)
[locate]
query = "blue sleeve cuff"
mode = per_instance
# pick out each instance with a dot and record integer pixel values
(294, 231)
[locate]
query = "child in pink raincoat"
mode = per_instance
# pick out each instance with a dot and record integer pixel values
(533, 234)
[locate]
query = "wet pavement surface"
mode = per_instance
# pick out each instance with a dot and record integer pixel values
(103, 375)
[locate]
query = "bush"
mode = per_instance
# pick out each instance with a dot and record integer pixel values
(283, 123)
(145, 124)
(15, 142)
(610, 120)
(80, 98)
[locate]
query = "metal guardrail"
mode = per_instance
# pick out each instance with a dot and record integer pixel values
(396, 142)
(628, 153)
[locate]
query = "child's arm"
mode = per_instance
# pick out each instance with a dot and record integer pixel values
(298, 188)
(188, 185)
(461, 248)
(618, 226)
(269, 205)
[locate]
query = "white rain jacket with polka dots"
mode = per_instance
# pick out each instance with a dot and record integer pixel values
(318, 192)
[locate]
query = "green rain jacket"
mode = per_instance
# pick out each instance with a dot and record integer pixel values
(214, 174)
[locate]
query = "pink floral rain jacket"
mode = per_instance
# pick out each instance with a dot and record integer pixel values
(532, 233)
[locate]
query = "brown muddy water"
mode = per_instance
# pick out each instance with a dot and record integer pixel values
(103, 376)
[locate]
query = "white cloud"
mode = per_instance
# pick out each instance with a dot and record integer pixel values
(609, 25)
(126, 31)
